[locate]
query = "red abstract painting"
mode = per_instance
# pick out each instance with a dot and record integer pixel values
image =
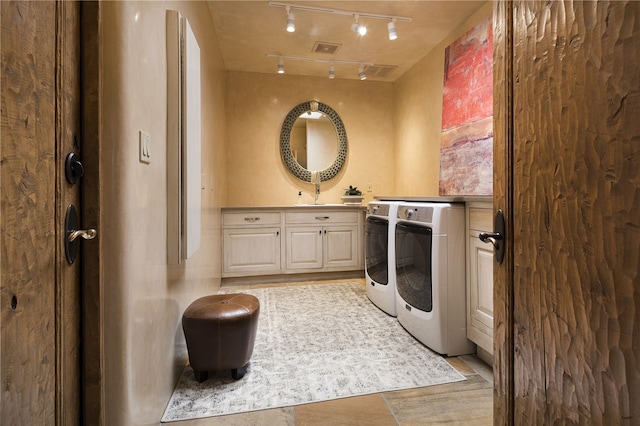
(466, 149)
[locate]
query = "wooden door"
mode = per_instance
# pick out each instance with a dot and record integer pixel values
(503, 350)
(40, 296)
(571, 183)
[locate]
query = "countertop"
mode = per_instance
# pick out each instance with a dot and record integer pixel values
(296, 206)
(433, 199)
(436, 199)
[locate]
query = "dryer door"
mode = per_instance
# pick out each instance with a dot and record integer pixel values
(413, 265)
(377, 249)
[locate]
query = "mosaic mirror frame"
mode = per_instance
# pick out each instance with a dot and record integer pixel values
(285, 141)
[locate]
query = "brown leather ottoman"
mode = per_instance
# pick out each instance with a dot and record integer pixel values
(220, 331)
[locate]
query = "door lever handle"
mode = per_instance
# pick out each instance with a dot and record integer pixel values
(85, 234)
(491, 237)
(72, 233)
(497, 237)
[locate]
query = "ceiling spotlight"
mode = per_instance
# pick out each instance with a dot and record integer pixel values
(392, 29)
(280, 66)
(332, 72)
(291, 21)
(358, 28)
(361, 73)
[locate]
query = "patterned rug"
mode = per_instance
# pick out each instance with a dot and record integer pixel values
(314, 343)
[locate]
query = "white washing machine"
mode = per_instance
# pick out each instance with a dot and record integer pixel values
(380, 254)
(430, 275)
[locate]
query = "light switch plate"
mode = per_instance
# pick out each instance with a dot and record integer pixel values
(145, 146)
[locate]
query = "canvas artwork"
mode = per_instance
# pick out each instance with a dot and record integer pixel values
(466, 149)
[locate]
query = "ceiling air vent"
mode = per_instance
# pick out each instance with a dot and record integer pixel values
(379, 71)
(324, 47)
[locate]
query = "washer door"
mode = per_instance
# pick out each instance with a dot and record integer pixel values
(413, 265)
(376, 260)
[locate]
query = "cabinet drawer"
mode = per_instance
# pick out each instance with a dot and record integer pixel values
(481, 219)
(251, 218)
(320, 217)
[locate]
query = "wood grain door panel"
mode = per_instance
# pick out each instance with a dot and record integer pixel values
(576, 197)
(40, 294)
(503, 199)
(68, 139)
(28, 213)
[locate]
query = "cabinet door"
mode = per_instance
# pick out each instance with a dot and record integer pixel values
(304, 247)
(340, 246)
(247, 250)
(480, 327)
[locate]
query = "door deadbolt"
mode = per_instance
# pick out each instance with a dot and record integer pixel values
(73, 168)
(73, 235)
(497, 237)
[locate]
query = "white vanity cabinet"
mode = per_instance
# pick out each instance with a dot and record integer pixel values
(479, 276)
(329, 239)
(292, 240)
(251, 243)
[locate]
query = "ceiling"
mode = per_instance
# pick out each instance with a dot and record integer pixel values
(248, 31)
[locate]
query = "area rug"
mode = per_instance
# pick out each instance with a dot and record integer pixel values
(314, 343)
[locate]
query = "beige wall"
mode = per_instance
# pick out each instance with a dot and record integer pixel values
(143, 297)
(418, 118)
(256, 107)
(393, 131)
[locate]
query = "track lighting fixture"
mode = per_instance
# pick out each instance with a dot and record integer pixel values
(391, 26)
(331, 62)
(291, 20)
(361, 73)
(356, 27)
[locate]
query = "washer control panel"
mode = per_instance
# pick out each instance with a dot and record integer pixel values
(379, 209)
(418, 214)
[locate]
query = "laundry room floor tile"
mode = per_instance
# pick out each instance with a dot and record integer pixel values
(469, 402)
(368, 410)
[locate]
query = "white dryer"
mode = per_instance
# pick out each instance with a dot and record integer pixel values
(380, 255)
(430, 275)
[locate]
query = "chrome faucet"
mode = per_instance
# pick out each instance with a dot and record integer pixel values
(316, 181)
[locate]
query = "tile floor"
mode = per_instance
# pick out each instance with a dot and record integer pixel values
(462, 403)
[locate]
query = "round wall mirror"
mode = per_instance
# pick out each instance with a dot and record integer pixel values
(313, 138)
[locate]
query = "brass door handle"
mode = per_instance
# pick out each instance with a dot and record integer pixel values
(72, 233)
(85, 234)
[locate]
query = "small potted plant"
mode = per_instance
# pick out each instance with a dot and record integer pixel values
(352, 196)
